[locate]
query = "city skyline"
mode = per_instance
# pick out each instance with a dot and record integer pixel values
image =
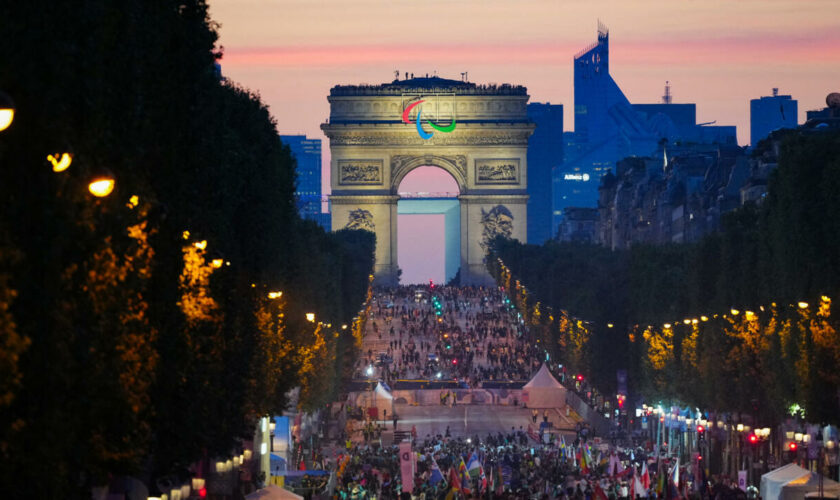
(292, 52)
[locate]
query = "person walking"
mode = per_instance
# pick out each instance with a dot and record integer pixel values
(534, 414)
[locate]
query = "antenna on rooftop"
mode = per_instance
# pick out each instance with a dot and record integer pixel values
(396, 74)
(666, 99)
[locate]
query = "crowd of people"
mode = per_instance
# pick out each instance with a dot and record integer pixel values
(512, 466)
(475, 336)
(471, 334)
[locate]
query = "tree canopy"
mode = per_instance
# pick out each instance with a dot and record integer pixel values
(747, 309)
(137, 333)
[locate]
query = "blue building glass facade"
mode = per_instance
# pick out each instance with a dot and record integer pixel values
(307, 153)
(770, 113)
(545, 155)
(609, 128)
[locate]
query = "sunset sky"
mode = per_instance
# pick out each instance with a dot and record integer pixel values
(718, 54)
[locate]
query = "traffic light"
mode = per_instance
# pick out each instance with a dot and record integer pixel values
(700, 429)
(753, 439)
(792, 446)
(701, 434)
(579, 377)
(454, 361)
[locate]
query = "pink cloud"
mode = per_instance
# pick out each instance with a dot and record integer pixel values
(759, 49)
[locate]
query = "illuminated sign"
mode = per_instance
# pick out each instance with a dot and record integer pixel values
(422, 133)
(576, 177)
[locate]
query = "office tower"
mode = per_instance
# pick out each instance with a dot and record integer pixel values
(545, 154)
(769, 113)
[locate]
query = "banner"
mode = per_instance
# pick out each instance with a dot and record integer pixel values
(407, 466)
(742, 480)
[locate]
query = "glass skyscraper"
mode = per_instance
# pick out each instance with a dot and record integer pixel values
(307, 153)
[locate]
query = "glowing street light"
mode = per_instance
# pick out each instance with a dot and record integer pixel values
(7, 111)
(60, 162)
(803, 305)
(273, 295)
(101, 186)
(369, 370)
(310, 317)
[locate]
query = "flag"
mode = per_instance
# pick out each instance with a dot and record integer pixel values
(638, 489)
(584, 459)
(436, 476)
(598, 493)
(660, 480)
(464, 478)
(645, 476)
(498, 480)
(473, 466)
(453, 479)
(615, 468)
(672, 488)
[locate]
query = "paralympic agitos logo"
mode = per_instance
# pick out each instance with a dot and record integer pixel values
(422, 133)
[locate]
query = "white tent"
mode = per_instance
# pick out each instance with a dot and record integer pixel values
(792, 482)
(273, 492)
(380, 398)
(544, 391)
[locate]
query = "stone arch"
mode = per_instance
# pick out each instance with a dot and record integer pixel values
(456, 166)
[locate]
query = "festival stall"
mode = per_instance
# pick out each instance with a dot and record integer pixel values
(544, 391)
(792, 482)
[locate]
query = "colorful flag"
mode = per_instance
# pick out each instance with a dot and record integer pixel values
(645, 476)
(436, 476)
(660, 479)
(453, 479)
(473, 466)
(498, 480)
(675, 473)
(464, 478)
(598, 493)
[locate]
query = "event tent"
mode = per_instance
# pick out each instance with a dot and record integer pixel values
(379, 398)
(792, 482)
(544, 391)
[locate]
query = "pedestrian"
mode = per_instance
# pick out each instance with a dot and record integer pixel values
(534, 414)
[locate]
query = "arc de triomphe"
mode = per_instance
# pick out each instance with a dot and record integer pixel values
(477, 133)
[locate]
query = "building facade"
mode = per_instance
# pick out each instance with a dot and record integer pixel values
(545, 155)
(769, 113)
(608, 128)
(308, 191)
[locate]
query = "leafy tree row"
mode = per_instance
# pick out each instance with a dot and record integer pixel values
(136, 331)
(770, 260)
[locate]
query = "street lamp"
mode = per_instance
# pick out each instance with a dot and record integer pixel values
(101, 184)
(7, 111)
(310, 317)
(60, 161)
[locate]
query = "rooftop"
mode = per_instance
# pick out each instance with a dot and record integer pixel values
(428, 84)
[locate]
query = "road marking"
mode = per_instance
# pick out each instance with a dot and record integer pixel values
(465, 420)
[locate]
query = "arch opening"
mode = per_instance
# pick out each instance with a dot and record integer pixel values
(429, 225)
